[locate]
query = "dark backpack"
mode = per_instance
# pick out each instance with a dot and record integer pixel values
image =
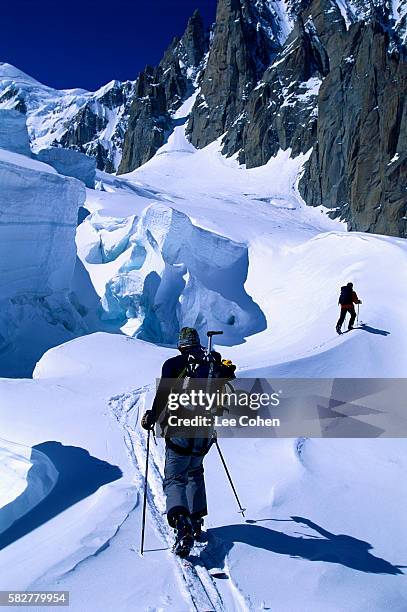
(216, 372)
(346, 296)
(201, 366)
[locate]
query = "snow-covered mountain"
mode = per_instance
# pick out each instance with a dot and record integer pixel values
(130, 119)
(91, 122)
(274, 74)
(96, 281)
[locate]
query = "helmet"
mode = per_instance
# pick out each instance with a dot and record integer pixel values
(188, 338)
(350, 285)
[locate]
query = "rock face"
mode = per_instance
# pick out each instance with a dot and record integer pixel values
(159, 92)
(13, 132)
(70, 163)
(241, 49)
(99, 127)
(281, 111)
(331, 79)
(359, 164)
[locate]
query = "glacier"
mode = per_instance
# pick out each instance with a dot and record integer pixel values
(13, 132)
(38, 218)
(171, 274)
(69, 162)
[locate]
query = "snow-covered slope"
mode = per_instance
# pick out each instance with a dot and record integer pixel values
(317, 536)
(297, 258)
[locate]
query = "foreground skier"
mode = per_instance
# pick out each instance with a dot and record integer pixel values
(184, 483)
(347, 300)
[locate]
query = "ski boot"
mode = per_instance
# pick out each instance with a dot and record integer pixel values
(184, 536)
(350, 328)
(197, 524)
(338, 330)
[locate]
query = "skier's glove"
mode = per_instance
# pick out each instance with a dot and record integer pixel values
(148, 422)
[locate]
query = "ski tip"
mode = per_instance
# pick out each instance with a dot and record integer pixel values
(219, 574)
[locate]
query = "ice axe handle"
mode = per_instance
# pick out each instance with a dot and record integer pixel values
(210, 334)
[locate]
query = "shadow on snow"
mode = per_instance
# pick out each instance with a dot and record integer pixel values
(374, 330)
(79, 475)
(329, 547)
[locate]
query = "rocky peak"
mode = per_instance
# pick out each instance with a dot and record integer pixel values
(160, 91)
(194, 43)
(114, 94)
(281, 111)
(242, 47)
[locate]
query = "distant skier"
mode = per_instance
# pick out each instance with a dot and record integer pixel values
(347, 300)
(184, 484)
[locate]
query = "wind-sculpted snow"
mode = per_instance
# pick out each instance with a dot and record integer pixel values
(38, 216)
(27, 476)
(172, 273)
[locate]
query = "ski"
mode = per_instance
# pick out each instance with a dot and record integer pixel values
(204, 557)
(341, 333)
(182, 548)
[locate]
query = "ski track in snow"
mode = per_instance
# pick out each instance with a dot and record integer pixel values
(195, 581)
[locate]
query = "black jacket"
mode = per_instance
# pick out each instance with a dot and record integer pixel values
(173, 370)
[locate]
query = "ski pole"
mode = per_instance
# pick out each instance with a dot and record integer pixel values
(241, 509)
(143, 521)
(357, 318)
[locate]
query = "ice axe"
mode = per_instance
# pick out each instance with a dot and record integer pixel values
(210, 335)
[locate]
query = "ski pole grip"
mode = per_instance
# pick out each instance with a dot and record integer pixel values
(214, 333)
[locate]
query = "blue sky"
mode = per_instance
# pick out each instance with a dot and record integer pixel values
(86, 43)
